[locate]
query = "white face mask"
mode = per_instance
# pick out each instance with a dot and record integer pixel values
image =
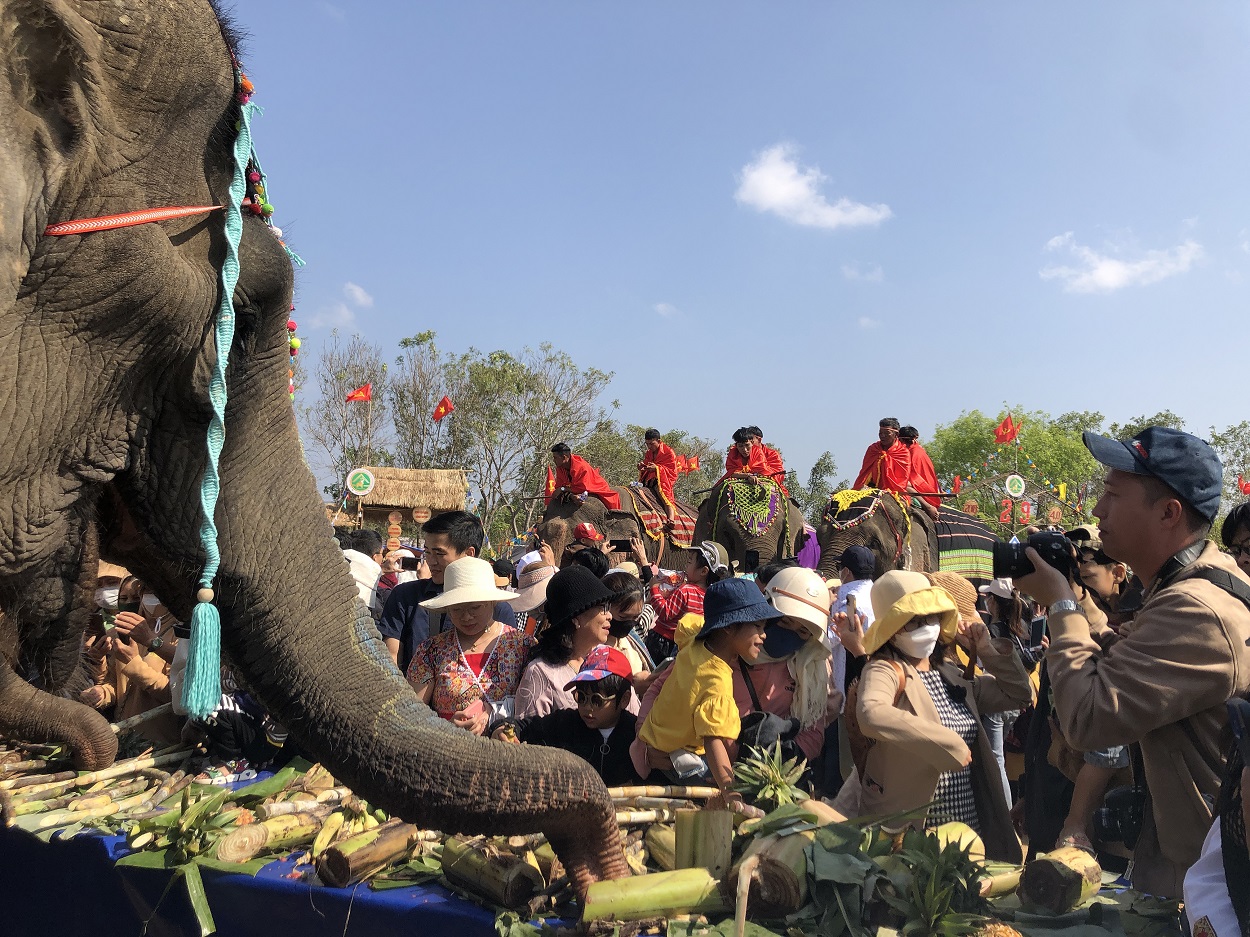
(106, 597)
(919, 642)
(149, 602)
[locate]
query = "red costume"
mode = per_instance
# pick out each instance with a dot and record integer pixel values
(886, 468)
(923, 474)
(579, 477)
(662, 466)
(764, 460)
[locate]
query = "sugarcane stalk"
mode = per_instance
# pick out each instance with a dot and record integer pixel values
(650, 790)
(68, 779)
(670, 803)
(37, 783)
(154, 713)
(704, 840)
(500, 878)
(633, 817)
(1003, 883)
(359, 857)
(527, 841)
(746, 876)
(24, 807)
(661, 843)
(1060, 881)
(285, 808)
(166, 787)
(660, 894)
(17, 767)
(778, 876)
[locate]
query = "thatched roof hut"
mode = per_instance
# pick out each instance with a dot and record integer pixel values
(436, 490)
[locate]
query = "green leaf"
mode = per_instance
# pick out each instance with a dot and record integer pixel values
(147, 859)
(199, 900)
(250, 868)
(841, 867)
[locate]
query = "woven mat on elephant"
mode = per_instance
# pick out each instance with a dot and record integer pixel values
(651, 513)
(753, 506)
(852, 507)
(965, 546)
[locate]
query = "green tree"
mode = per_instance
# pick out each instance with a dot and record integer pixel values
(813, 497)
(1131, 428)
(1233, 446)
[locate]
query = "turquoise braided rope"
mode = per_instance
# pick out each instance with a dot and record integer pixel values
(202, 687)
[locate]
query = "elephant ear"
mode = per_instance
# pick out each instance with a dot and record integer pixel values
(51, 108)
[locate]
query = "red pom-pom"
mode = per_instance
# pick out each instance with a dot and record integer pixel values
(254, 176)
(290, 325)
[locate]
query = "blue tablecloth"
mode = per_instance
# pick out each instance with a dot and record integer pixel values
(72, 888)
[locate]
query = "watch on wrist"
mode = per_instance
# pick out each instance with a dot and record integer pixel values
(1063, 605)
(156, 644)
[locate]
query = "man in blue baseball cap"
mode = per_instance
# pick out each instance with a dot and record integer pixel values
(1161, 683)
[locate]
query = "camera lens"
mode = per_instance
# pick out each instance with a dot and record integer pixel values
(1010, 561)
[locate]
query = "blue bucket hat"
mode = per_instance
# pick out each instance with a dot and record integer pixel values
(1181, 461)
(732, 602)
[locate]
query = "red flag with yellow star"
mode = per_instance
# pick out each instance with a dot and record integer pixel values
(362, 393)
(444, 407)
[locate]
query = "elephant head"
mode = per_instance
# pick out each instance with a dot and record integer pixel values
(105, 352)
(900, 537)
(746, 513)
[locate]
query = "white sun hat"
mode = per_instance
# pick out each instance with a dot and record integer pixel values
(467, 580)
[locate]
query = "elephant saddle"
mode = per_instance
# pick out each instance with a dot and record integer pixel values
(753, 506)
(651, 516)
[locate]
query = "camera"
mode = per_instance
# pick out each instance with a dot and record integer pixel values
(1056, 549)
(410, 564)
(1119, 819)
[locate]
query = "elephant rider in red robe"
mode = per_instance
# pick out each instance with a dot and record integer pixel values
(749, 456)
(579, 478)
(923, 483)
(887, 462)
(658, 469)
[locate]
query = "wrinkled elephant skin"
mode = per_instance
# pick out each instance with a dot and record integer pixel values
(886, 534)
(104, 361)
(781, 538)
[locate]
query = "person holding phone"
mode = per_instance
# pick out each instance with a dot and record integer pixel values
(470, 673)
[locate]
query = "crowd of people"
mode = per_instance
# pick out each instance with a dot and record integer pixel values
(1081, 704)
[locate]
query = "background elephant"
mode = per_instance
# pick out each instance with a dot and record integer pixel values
(899, 537)
(746, 512)
(104, 365)
(563, 515)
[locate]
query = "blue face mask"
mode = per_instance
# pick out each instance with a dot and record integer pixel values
(781, 642)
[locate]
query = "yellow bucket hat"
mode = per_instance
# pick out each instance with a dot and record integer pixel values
(898, 597)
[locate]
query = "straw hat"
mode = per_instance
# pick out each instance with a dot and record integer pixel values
(898, 597)
(111, 571)
(467, 580)
(533, 587)
(626, 566)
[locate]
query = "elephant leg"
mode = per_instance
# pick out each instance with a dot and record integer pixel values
(29, 713)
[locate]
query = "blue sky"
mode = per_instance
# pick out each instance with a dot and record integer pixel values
(805, 216)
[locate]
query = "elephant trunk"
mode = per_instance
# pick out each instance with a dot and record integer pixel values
(29, 713)
(309, 650)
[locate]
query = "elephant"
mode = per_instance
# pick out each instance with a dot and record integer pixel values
(900, 536)
(106, 347)
(747, 513)
(563, 514)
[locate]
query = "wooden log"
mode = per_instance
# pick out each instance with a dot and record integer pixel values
(500, 878)
(704, 840)
(660, 894)
(662, 845)
(1060, 881)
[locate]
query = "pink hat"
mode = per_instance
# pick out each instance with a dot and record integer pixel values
(602, 661)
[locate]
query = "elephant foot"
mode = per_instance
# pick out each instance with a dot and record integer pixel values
(592, 853)
(32, 715)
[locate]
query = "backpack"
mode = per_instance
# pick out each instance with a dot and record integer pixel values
(859, 743)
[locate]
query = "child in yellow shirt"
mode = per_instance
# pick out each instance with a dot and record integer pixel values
(695, 719)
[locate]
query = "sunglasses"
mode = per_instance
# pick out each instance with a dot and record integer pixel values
(593, 699)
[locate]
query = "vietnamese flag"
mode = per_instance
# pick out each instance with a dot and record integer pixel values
(957, 484)
(1006, 431)
(692, 464)
(444, 407)
(1243, 486)
(363, 393)
(550, 488)
(682, 467)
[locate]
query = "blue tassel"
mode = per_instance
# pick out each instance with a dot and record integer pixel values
(201, 691)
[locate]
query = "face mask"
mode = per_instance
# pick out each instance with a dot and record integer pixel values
(781, 642)
(106, 597)
(919, 642)
(618, 629)
(150, 602)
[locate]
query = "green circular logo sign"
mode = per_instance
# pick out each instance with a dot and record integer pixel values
(360, 482)
(1014, 486)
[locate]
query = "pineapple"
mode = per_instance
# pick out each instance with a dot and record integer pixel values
(767, 780)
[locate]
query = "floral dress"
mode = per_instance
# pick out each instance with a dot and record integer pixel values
(441, 660)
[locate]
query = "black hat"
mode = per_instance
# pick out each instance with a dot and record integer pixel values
(859, 560)
(572, 591)
(1183, 462)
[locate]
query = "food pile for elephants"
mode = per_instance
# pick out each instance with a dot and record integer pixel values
(800, 869)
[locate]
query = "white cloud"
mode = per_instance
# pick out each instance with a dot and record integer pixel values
(867, 323)
(667, 310)
(867, 273)
(356, 295)
(338, 316)
(1104, 273)
(774, 182)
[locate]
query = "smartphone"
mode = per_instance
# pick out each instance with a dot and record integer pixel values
(752, 561)
(410, 564)
(1239, 723)
(619, 546)
(128, 607)
(1037, 628)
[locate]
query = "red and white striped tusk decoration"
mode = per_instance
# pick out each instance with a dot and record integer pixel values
(126, 219)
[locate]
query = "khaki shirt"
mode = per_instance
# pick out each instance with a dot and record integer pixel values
(1170, 669)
